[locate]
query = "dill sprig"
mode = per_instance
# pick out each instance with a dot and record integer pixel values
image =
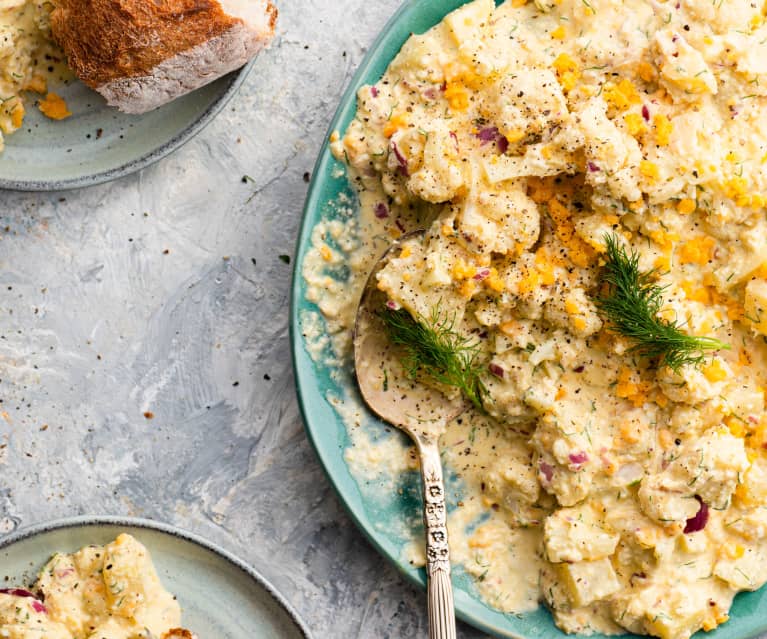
(432, 347)
(632, 306)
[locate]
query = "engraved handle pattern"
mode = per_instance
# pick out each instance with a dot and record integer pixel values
(440, 595)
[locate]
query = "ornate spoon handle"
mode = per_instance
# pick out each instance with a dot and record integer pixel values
(440, 587)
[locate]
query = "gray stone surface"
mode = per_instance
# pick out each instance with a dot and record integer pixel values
(164, 293)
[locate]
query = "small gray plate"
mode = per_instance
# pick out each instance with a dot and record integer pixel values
(98, 143)
(220, 596)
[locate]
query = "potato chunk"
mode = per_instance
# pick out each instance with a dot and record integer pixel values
(577, 534)
(588, 581)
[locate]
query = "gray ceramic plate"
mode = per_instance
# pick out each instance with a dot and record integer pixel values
(98, 143)
(221, 597)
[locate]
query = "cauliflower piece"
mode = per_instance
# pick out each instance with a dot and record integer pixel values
(466, 26)
(612, 155)
(753, 491)
(419, 60)
(572, 309)
(25, 618)
(690, 385)
(499, 220)
(466, 23)
(414, 279)
(752, 525)
(665, 498)
(511, 481)
(683, 70)
(745, 400)
(440, 177)
(524, 104)
(577, 534)
(508, 387)
(567, 472)
(693, 141)
(744, 257)
(722, 16)
(747, 572)
(710, 468)
(664, 610)
(714, 466)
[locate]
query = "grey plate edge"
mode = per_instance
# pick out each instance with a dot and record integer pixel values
(237, 80)
(85, 521)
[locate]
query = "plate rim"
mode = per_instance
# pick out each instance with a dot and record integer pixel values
(236, 80)
(89, 521)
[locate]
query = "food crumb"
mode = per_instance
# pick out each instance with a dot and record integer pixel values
(54, 107)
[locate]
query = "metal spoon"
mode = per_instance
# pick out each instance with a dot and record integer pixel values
(420, 412)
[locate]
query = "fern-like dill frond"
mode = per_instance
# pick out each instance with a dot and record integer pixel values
(632, 305)
(432, 347)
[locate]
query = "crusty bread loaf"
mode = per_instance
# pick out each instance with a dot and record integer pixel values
(141, 54)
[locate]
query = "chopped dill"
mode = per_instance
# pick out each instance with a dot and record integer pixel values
(632, 306)
(433, 348)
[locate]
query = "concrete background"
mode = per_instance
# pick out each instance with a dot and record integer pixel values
(164, 294)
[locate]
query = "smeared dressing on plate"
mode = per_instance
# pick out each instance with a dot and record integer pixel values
(625, 494)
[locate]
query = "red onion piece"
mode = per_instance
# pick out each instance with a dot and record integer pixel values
(392, 305)
(697, 523)
(37, 606)
(546, 470)
(593, 168)
(482, 274)
(381, 211)
(497, 370)
(455, 139)
(578, 458)
(488, 134)
(492, 134)
(645, 113)
(401, 159)
(399, 225)
(17, 592)
(374, 91)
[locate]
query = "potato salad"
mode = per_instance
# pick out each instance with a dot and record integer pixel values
(28, 58)
(99, 592)
(592, 179)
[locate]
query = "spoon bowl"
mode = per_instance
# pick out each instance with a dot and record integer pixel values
(407, 404)
(422, 413)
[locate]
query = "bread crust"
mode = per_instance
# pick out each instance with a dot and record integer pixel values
(184, 72)
(107, 40)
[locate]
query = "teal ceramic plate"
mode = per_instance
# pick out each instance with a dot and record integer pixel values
(221, 597)
(383, 520)
(98, 143)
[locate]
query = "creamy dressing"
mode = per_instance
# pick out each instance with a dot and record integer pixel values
(99, 592)
(621, 493)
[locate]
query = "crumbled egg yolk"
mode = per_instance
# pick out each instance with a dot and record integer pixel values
(54, 107)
